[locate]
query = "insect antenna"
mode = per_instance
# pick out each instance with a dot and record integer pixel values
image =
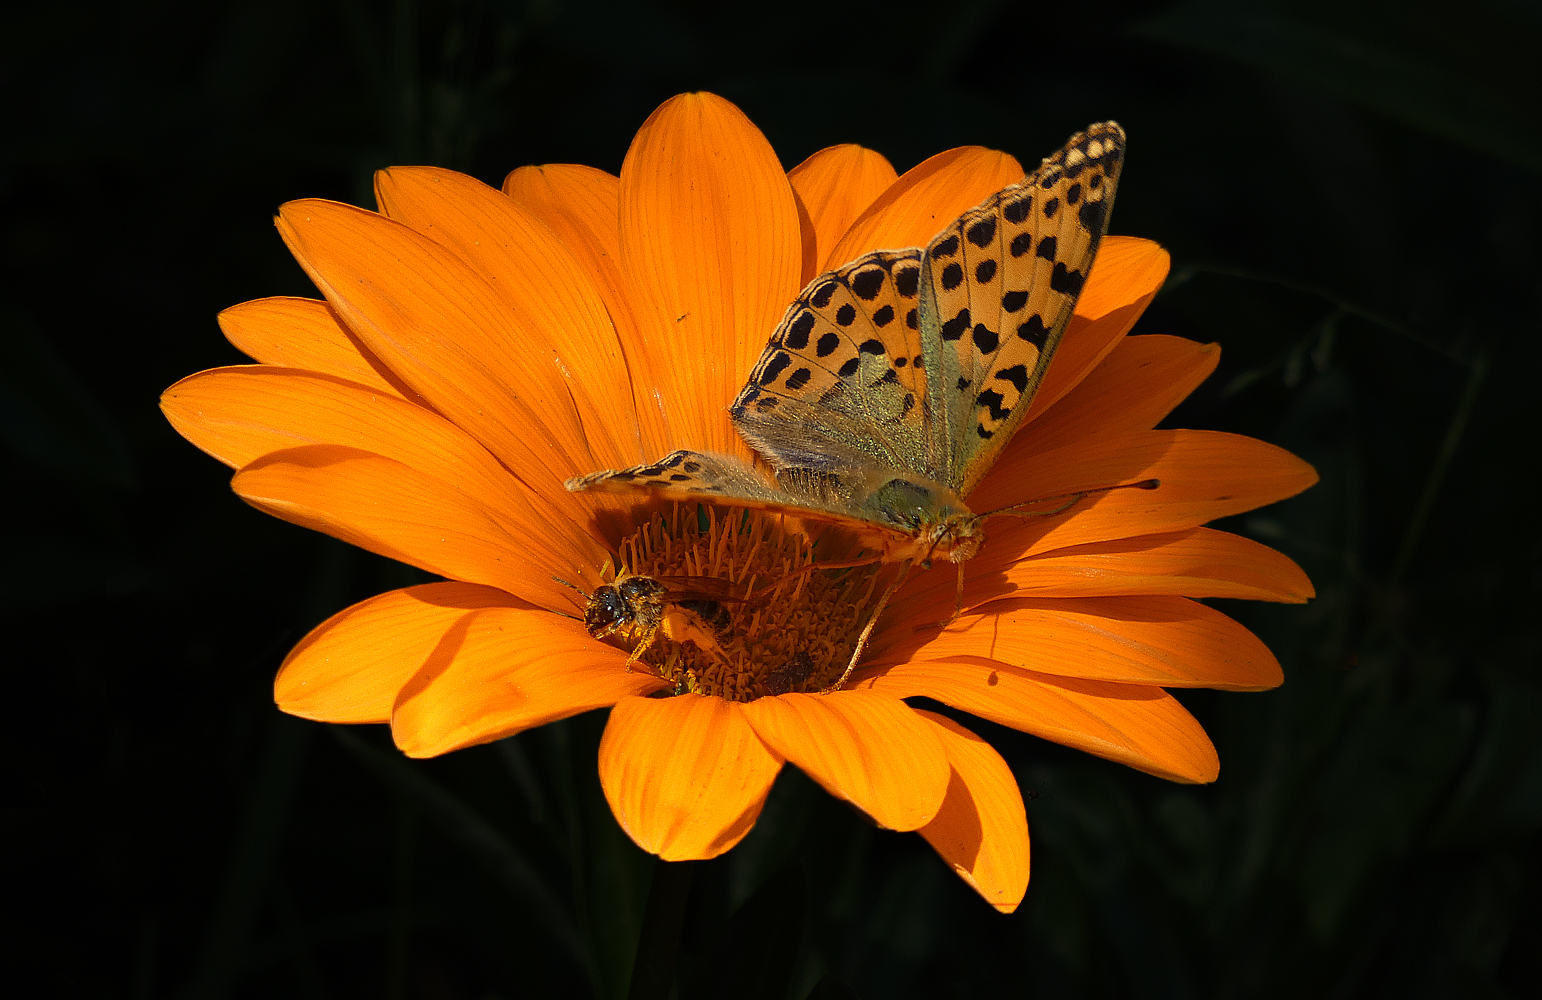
(1071, 500)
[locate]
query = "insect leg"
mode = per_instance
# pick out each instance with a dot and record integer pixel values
(867, 630)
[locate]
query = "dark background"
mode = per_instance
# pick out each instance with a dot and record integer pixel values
(1351, 198)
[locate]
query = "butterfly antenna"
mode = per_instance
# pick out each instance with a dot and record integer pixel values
(867, 630)
(1071, 500)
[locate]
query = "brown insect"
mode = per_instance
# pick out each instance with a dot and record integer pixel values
(683, 608)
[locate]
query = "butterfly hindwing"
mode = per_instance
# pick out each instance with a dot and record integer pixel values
(998, 288)
(841, 383)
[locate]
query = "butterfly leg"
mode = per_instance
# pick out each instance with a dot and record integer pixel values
(800, 571)
(867, 630)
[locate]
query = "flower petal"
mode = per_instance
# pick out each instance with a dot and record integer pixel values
(292, 332)
(836, 185)
(441, 328)
(711, 250)
(401, 513)
(502, 670)
(241, 413)
(582, 206)
(548, 293)
(926, 198)
(1126, 276)
(1141, 726)
(870, 750)
(982, 828)
(685, 776)
(350, 667)
(1200, 562)
(1203, 475)
(1167, 641)
(1132, 389)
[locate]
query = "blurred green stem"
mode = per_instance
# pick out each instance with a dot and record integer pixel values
(1437, 473)
(653, 969)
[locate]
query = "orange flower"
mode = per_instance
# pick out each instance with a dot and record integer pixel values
(476, 348)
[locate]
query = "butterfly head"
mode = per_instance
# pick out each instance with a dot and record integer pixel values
(957, 536)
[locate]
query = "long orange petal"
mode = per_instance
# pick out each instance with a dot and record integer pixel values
(240, 414)
(1141, 726)
(870, 750)
(548, 293)
(1203, 475)
(1126, 276)
(444, 331)
(836, 185)
(926, 198)
(1166, 641)
(1132, 389)
(981, 831)
(1200, 562)
(351, 666)
(293, 332)
(711, 250)
(581, 205)
(502, 670)
(686, 777)
(403, 514)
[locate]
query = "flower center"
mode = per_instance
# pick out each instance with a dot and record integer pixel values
(736, 617)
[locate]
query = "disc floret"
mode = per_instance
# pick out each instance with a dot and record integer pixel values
(791, 630)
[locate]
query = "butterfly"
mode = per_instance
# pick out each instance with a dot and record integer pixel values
(893, 383)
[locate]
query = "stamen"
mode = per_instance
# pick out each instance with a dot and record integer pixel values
(794, 628)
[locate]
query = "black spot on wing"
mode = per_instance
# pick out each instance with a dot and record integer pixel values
(823, 293)
(985, 339)
(955, 327)
(827, 345)
(799, 379)
(1051, 207)
(883, 317)
(946, 248)
(982, 232)
(1021, 244)
(952, 277)
(992, 400)
(910, 319)
(1013, 301)
(1034, 331)
(868, 284)
(846, 315)
(1066, 281)
(906, 280)
(849, 369)
(1092, 214)
(1017, 375)
(797, 334)
(775, 367)
(985, 271)
(1047, 248)
(1073, 194)
(871, 347)
(1016, 211)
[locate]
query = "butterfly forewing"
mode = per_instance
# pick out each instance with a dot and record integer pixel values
(997, 290)
(840, 383)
